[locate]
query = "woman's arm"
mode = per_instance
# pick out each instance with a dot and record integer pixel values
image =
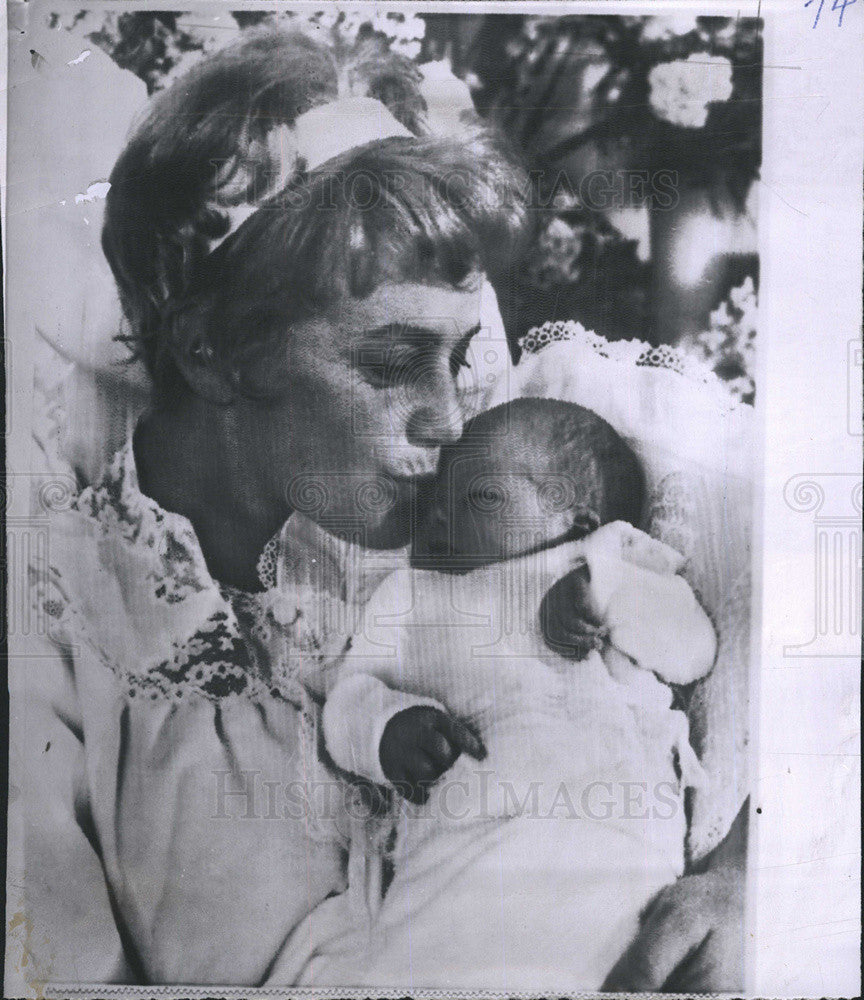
(692, 935)
(62, 925)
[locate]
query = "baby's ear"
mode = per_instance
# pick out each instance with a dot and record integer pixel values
(585, 520)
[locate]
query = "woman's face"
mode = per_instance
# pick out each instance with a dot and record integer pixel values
(374, 388)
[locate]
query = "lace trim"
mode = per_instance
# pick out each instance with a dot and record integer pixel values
(627, 352)
(223, 660)
(250, 646)
(117, 504)
(267, 563)
(214, 662)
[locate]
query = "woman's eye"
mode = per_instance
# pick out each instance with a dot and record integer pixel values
(459, 359)
(412, 364)
(384, 369)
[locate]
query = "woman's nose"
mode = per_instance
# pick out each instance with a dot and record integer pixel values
(432, 427)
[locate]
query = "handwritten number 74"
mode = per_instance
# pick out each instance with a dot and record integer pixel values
(839, 5)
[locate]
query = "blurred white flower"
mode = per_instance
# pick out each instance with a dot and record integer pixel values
(409, 49)
(558, 247)
(662, 29)
(405, 27)
(565, 200)
(743, 298)
(729, 345)
(742, 388)
(711, 341)
(514, 50)
(531, 27)
(560, 238)
(682, 90)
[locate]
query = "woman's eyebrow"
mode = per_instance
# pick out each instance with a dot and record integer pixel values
(411, 331)
(396, 331)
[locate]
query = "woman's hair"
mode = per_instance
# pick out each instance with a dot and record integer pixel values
(420, 208)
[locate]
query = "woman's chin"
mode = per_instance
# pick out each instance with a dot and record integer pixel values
(395, 525)
(391, 529)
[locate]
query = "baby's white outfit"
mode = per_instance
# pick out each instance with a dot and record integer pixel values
(527, 870)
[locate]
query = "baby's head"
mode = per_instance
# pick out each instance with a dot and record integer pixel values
(526, 475)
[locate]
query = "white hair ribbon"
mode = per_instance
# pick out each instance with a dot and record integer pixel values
(331, 129)
(318, 135)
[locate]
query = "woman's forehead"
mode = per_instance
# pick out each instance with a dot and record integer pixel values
(412, 307)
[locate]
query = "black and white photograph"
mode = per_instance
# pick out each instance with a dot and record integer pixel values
(388, 502)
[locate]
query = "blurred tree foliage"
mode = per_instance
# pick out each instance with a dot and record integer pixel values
(630, 98)
(602, 108)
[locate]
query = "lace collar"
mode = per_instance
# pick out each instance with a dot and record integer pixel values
(160, 621)
(117, 504)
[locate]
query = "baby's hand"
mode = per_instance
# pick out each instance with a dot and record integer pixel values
(566, 620)
(419, 744)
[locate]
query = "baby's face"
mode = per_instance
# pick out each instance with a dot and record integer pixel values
(491, 503)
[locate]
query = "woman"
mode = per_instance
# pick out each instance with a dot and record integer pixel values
(303, 274)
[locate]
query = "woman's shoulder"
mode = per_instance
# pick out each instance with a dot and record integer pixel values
(127, 580)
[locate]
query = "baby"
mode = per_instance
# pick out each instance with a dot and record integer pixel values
(521, 708)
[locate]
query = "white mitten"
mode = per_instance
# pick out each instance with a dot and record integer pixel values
(651, 613)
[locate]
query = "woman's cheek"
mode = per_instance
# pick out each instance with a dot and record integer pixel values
(381, 416)
(345, 415)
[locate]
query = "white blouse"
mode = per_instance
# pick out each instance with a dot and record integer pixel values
(175, 816)
(178, 819)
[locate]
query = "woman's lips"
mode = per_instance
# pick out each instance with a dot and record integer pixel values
(413, 466)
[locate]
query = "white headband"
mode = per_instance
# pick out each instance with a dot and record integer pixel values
(331, 129)
(319, 135)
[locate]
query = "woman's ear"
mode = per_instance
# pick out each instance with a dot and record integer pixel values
(196, 360)
(205, 378)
